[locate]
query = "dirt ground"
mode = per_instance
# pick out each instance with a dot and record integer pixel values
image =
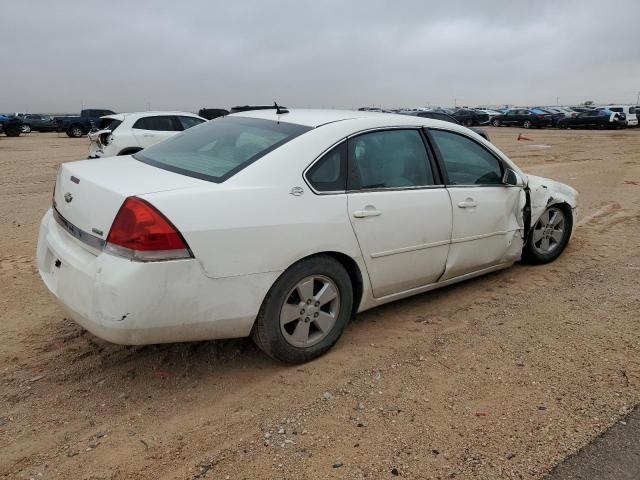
(496, 378)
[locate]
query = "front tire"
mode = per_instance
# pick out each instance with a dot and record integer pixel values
(26, 129)
(306, 310)
(527, 124)
(469, 123)
(549, 235)
(495, 123)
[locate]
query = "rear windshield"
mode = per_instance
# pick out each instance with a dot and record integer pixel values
(220, 148)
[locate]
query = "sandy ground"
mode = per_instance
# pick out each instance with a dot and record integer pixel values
(499, 377)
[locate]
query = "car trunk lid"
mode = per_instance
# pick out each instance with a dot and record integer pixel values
(89, 193)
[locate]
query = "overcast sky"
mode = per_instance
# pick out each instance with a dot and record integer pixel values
(127, 55)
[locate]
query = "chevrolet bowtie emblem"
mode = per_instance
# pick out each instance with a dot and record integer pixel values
(68, 197)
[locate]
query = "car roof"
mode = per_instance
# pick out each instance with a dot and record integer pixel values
(134, 115)
(309, 117)
(353, 120)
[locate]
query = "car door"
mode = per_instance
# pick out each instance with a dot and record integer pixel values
(154, 129)
(399, 209)
(487, 214)
(511, 117)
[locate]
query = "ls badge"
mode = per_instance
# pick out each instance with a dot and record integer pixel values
(68, 197)
(296, 191)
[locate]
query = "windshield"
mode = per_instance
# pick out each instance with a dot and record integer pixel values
(220, 148)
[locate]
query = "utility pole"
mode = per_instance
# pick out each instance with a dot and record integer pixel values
(557, 101)
(455, 102)
(638, 99)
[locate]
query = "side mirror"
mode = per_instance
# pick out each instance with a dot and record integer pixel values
(510, 177)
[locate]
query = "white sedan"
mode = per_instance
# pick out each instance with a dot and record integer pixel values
(282, 225)
(128, 133)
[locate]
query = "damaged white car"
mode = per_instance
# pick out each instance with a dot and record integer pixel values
(283, 224)
(128, 133)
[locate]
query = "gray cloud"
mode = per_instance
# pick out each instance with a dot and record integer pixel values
(185, 55)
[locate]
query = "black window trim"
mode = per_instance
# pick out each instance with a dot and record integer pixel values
(443, 170)
(316, 160)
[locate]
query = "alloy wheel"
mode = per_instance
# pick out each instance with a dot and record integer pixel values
(310, 311)
(548, 231)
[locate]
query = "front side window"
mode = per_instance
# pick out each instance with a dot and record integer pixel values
(467, 162)
(218, 149)
(388, 159)
(160, 123)
(329, 174)
(188, 122)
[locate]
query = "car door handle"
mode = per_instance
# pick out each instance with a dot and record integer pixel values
(366, 213)
(468, 203)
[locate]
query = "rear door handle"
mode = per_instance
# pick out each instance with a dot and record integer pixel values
(468, 203)
(366, 213)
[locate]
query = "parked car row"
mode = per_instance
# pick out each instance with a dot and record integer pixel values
(619, 116)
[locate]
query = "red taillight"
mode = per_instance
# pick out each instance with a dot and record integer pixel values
(141, 232)
(540, 116)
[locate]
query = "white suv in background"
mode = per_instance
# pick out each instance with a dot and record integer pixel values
(128, 133)
(628, 110)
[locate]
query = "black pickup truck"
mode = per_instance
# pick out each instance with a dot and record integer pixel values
(80, 126)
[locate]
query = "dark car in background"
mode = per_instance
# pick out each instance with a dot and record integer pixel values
(466, 116)
(556, 115)
(523, 117)
(446, 118)
(37, 123)
(10, 125)
(79, 126)
(602, 118)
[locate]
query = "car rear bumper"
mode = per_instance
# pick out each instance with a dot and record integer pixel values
(138, 303)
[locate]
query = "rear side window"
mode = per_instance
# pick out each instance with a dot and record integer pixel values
(188, 122)
(221, 147)
(388, 159)
(329, 174)
(162, 123)
(616, 109)
(467, 162)
(632, 110)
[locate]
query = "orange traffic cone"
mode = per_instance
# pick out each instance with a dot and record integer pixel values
(522, 137)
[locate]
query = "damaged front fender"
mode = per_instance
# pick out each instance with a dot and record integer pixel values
(544, 192)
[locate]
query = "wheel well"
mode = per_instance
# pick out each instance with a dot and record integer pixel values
(355, 275)
(353, 271)
(129, 151)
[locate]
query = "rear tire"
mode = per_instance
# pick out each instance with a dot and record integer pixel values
(286, 315)
(26, 128)
(469, 123)
(549, 235)
(527, 124)
(495, 123)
